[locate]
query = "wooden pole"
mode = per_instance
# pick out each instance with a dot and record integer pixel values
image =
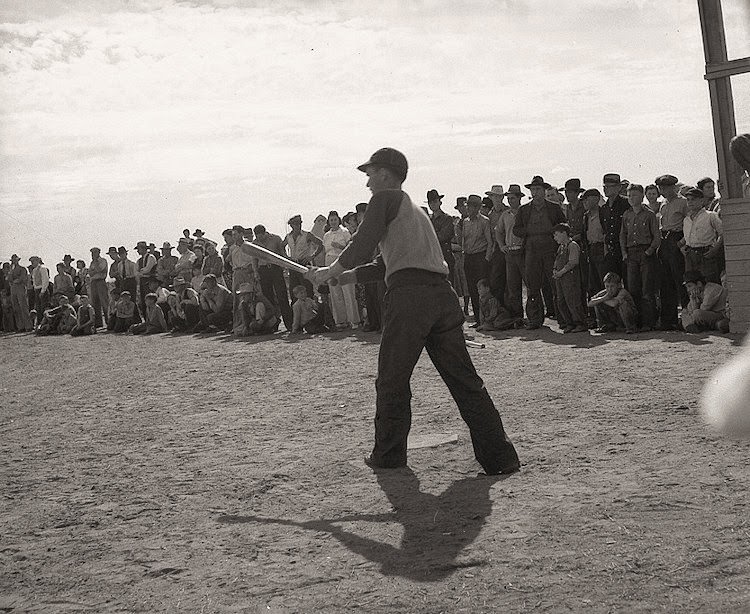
(720, 91)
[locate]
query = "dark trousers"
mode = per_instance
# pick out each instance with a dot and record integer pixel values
(192, 317)
(449, 260)
(613, 262)
(497, 275)
(514, 283)
(374, 295)
(99, 300)
(568, 304)
(221, 319)
(597, 268)
(273, 285)
(297, 279)
(671, 273)
(475, 268)
(430, 317)
(695, 260)
(143, 284)
(640, 269)
(538, 263)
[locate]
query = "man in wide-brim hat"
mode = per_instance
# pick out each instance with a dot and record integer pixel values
(443, 225)
(534, 224)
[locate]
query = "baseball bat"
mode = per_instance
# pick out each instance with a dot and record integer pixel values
(273, 258)
(474, 344)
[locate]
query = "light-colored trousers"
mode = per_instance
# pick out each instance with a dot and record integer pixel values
(344, 304)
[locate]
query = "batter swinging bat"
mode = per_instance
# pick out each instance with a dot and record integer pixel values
(266, 255)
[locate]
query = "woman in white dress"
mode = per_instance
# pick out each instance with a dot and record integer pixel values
(343, 298)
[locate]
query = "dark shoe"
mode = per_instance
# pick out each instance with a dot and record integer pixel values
(567, 329)
(723, 326)
(580, 329)
(531, 326)
(373, 465)
(645, 329)
(369, 329)
(692, 328)
(605, 329)
(631, 331)
(505, 470)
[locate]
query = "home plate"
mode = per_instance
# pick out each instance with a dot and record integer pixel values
(432, 440)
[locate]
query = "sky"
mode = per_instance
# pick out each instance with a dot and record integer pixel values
(128, 120)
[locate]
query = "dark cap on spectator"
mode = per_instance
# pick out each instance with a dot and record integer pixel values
(591, 192)
(563, 227)
(701, 182)
(122, 250)
(538, 180)
(295, 219)
(389, 158)
(95, 249)
(67, 258)
(238, 228)
(694, 193)
(474, 199)
(611, 179)
(15, 258)
(112, 250)
(666, 180)
(198, 233)
(514, 188)
(573, 185)
(360, 207)
(693, 277)
(434, 195)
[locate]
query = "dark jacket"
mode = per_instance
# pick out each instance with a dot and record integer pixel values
(521, 228)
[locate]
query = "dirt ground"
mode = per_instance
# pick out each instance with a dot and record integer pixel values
(206, 474)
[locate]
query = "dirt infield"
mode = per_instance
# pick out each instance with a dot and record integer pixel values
(205, 474)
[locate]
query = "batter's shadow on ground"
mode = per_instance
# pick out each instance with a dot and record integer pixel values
(546, 335)
(436, 527)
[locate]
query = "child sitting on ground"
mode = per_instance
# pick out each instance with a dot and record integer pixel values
(707, 307)
(155, 320)
(614, 306)
(257, 314)
(307, 316)
(493, 316)
(124, 313)
(84, 319)
(114, 296)
(58, 320)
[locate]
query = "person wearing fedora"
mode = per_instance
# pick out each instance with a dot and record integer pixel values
(611, 213)
(574, 212)
(165, 265)
(477, 244)
(534, 224)
(512, 247)
(68, 265)
(18, 278)
(671, 260)
(497, 268)
(421, 311)
(40, 280)
(443, 225)
(99, 291)
(127, 276)
(146, 270)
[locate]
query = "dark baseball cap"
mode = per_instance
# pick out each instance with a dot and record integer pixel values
(591, 192)
(389, 158)
(666, 180)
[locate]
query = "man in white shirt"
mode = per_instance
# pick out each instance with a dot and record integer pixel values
(304, 247)
(40, 280)
(703, 240)
(184, 266)
(146, 270)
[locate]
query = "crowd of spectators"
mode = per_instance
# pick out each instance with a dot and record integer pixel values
(629, 257)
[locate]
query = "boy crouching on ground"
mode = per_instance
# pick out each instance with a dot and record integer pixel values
(493, 315)
(568, 303)
(84, 319)
(308, 316)
(614, 306)
(257, 314)
(124, 313)
(155, 320)
(706, 309)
